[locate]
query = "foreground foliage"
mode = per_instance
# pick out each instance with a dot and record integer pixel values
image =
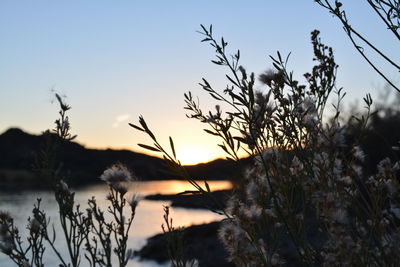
(306, 199)
(92, 233)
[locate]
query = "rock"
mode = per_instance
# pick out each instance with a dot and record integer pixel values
(201, 243)
(197, 201)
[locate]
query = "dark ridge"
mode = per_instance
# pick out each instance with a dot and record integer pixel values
(218, 169)
(21, 153)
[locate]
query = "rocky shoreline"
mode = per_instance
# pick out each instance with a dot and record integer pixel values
(200, 242)
(216, 200)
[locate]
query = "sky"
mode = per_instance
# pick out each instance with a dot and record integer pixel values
(116, 60)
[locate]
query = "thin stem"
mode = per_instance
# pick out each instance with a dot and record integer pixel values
(389, 25)
(372, 65)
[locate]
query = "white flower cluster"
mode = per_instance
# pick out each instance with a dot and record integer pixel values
(6, 239)
(307, 199)
(313, 204)
(117, 177)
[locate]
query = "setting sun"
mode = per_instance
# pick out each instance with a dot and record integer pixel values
(191, 155)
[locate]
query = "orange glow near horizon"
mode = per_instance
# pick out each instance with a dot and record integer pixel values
(204, 149)
(192, 145)
(189, 156)
(176, 186)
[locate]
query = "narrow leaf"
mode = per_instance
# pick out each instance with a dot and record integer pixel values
(187, 192)
(149, 147)
(204, 29)
(207, 186)
(231, 80)
(136, 127)
(210, 132)
(172, 146)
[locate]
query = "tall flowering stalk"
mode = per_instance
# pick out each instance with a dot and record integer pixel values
(306, 199)
(118, 178)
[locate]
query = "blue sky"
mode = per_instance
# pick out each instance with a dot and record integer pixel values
(116, 60)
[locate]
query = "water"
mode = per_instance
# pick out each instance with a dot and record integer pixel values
(147, 222)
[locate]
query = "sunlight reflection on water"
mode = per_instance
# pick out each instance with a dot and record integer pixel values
(148, 219)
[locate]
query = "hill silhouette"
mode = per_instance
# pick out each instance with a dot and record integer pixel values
(20, 152)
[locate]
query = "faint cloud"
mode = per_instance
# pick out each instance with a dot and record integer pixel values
(119, 119)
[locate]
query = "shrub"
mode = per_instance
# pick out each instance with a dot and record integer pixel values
(306, 199)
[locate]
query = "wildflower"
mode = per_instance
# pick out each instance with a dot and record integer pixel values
(339, 138)
(63, 105)
(308, 112)
(395, 211)
(6, 247)
(4, 216)
(340, 216)
(308, 105)
(34, 225)
(64, 187)
(384, 165)
(133, 201)
(253, 212)
(268, 77)
(232, 205)
(270, 213)
(334, 136)
(338, 167)
(121, 187)
(257, 110)
(358, 153)
(117, 177)
(276, 260)
(6, 240)
(192, 263)
(252, 190)
(225, 231)
(297, 166)
(357, 169)
(116, 173)
(299, 217)
(330, 197)
(391, 187)
(266, 155)
(346, 180)
(212, 119)
(396, 166)
(65, 124)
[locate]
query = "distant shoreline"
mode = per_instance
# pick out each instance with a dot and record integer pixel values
(81, 166)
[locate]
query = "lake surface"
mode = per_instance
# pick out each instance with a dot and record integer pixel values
(147, 222)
